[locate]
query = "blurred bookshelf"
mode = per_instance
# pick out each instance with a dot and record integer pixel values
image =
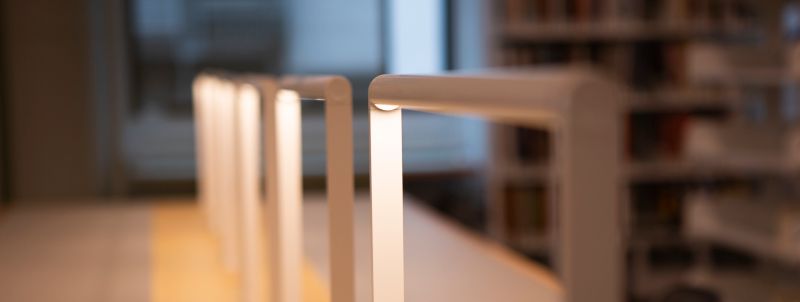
(712, 110)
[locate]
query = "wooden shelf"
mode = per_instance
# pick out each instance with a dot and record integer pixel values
(523, 171)
(613, 31)
(661, 170)
(766, 229)
(533, 243)
(681, 99)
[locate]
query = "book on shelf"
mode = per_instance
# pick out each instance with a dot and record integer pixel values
(645, 65)
(648, 65)
(666, 135)
(515, 10)
(677, 12)
(525, 210)
(657, 209)
(542, 10)
(685, 13)
(532, 145)
(675, 64)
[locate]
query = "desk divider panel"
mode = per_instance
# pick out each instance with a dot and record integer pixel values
(578, 106)
(282, 159)
(230, 113)
(202, 96)
(215, 126)
(228, 123)
(229, 177)
(207, 98)
(386, 188)
(251, 96)
(336, 92)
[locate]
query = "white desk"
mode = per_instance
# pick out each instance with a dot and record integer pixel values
(444, 262)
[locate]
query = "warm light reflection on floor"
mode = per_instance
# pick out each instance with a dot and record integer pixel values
(187, 265)
(186, 261)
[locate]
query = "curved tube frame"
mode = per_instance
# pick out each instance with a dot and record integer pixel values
(251, 96)
(582, 111)
(202, 88)
(336, 92)
(223, 206)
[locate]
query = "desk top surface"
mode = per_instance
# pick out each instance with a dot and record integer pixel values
(443, 261)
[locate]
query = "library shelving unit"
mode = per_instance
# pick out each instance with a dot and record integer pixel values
(674, 56)
(579, 107)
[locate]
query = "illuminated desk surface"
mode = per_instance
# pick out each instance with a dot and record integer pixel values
(444, 262)
(58, 248)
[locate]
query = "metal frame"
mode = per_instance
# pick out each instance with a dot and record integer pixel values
(284, 194)
(202, 90)
(229, 117)
(584, 114)
(336, 92)
(225, 173)
(216, 109)
(250, 99)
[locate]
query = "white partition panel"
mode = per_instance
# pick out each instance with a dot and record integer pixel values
(215, 101)
(207, 95)
(582, 110)
(386, 151)
(284, 194)
(336, 92)
(227, 197)
(202, 92)
(249, 165)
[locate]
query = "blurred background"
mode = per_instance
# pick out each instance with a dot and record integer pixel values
(95, 102)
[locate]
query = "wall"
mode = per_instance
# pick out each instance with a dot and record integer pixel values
(47, 71)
